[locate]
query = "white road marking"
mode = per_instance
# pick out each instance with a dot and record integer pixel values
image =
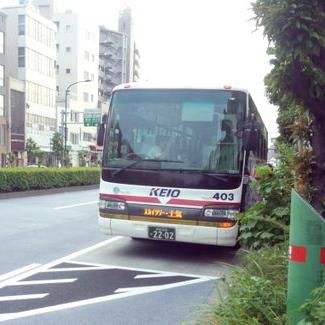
(73, 269)
(58, 261)
(18, 271)
(37, 282)
(75, 205)
(123, 294)
(23, 297)
(5, 317)
(150, 276)
(136, 289)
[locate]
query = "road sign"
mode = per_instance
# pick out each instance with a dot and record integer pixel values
(92, 117)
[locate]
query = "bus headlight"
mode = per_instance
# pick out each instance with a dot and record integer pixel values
(112, 205)
(221, 213)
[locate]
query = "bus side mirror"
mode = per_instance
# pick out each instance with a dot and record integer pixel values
(250, 139)
(101, 131)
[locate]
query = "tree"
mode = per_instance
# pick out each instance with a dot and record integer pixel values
(32, 150)
(11, 159)
(296, 33)
(58, 147)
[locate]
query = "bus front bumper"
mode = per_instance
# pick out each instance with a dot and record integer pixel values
(184, 233)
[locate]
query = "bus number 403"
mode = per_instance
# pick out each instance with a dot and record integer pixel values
(224, 196)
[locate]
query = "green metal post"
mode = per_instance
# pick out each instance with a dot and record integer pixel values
(306, 255)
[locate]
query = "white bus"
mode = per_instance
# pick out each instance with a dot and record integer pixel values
(177, 162)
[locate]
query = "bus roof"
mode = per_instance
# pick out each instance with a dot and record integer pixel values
(149, 85)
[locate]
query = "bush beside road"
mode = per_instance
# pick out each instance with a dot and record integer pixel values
(24, 179)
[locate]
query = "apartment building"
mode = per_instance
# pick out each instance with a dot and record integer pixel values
(77, 48)
(112, 62)
(125, 27)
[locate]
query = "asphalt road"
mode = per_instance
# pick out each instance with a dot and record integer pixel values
(57, 268)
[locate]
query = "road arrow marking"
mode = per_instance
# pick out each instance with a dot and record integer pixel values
(23, 297)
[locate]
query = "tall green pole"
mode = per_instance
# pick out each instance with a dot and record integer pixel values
(306, 255)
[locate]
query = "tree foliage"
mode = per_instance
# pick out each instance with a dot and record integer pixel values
(266, 223)
(58, 147)
(296, 84)
(33, 152)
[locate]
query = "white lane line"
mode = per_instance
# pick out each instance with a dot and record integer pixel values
(73, 269)
(57, 262)
(23, 297)
(39, 311)
(150, 276)
(75, 205)
(36, 282)
(18, 271)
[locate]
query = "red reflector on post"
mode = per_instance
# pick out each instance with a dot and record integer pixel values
(322, 255)
(297, 254)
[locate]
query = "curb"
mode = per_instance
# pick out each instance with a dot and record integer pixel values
(12, 195)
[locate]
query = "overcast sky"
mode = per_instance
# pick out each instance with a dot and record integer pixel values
(201, 42)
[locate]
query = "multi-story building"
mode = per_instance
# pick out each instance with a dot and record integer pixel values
(77, 47)
(4, 141)
(112, 62)
(32, 60)
(136, 63)
(15, 96)
(125, 27)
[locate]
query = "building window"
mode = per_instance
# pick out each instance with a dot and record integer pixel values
(86, 75)
(2, 105)
(39, 94)
(21, 25)
(68, 28)
(21, 57)
(86, 97)
(2, 42)
(87, 55)
(39, 32)
(57, 47)
(2, 135)
(87, 137)
(92, 77)
(2, 75)
(93, 57)
(74, 116)
(21, 19)
(67, 71)
(36, 61)
(74, 138)
(57, 23)
(68, 49)
(92, 98)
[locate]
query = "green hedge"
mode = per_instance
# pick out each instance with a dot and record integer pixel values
(24, 179)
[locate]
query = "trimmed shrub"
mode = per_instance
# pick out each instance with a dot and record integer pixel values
(24, 179)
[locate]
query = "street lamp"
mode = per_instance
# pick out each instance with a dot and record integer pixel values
(66, 112)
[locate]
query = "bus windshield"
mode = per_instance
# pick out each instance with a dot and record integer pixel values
(190, 129)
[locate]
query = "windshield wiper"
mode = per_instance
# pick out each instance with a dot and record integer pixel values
(140, 160)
